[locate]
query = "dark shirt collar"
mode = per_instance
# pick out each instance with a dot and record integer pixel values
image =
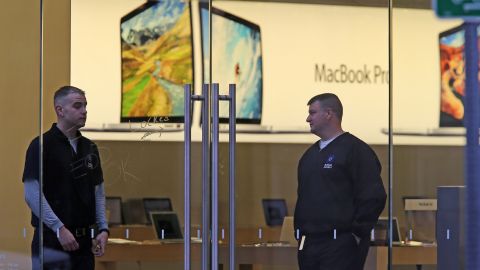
(57, 132)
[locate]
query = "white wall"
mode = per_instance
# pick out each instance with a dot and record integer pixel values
(296, 37)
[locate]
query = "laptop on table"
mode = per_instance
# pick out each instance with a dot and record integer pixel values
(166, 226)
(380, 232)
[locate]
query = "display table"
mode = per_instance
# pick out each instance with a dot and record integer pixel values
(253, 257)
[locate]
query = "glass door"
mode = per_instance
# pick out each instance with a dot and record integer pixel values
(21, 106)
(279, 56)
(133, 58)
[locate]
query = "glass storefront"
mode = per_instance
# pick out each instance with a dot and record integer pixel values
(133, 59)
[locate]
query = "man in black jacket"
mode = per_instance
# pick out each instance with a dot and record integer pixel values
(73, 191)
(340, 193)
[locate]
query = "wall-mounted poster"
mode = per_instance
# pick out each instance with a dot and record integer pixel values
(157, 60)
(236, 58)
(452, 67)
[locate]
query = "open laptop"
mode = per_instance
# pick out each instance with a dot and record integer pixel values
(287, 234)
(166, 226)
(144, 126)
(274, 211)
(152, 204)
(380, 232)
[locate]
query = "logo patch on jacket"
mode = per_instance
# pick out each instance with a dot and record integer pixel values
(329, 163)
(82, 166)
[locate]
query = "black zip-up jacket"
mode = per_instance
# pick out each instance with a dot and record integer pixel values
(339, 187)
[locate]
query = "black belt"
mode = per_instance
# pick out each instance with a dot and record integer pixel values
(76, 231)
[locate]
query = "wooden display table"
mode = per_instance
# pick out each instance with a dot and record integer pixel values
(253, 257)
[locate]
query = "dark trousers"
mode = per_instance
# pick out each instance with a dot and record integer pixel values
(326, 253)
(55, 258)
(363, 248)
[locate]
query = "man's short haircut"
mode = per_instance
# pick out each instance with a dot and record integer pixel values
(65, 91)
(331, 101)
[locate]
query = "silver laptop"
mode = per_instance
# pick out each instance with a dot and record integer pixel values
(448, 131)
(380, 232)
(407, 131)
(245, 128)
(142, 127)
(438, 131)
(287, 234)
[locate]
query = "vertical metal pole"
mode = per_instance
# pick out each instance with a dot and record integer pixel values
(205, 177)
(210, 109)
(232, 141)
(187, 175)
(472, 151)
(210, 39)
(40, 158)
(215, 140)
(390, 135)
